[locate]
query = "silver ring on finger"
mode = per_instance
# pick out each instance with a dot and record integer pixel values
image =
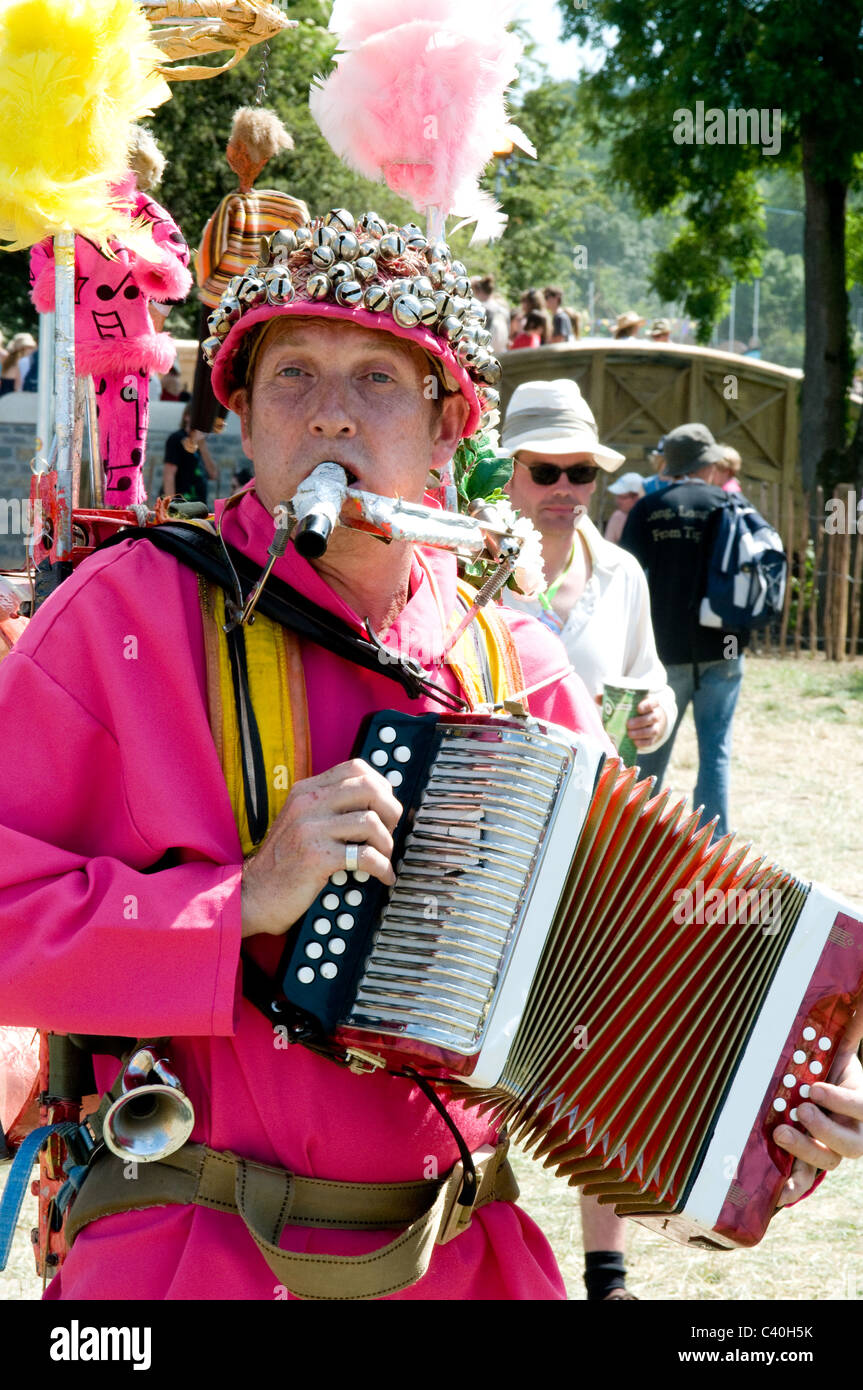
(352, 858)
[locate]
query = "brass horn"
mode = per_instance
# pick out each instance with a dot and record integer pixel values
(149, 1120)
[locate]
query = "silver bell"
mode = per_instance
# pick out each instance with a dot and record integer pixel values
(444, 303)
(392, 246)
(209, 347)
(403, 284)
(407, 310)
(452, 328)
(459, 268)
(376, 298)
(349, 292)
(233, 285)
(282, 243)
(340, 218)
(365, 267)
(428, 310)
(368, 249)
(423, 287)
(462, 285)
(438, 251)
(318, 285)
(491, 398)
(252, 292)
(280, 287)
(303, 236)
(323, 257)
(339, 272)
(325, 236)
(373, 224)
(231, 307)
(347, 246)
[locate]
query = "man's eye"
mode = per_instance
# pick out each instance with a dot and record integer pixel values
(290, 371)
(380, 376)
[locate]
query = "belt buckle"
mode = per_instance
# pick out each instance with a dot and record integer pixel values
(457, 1218)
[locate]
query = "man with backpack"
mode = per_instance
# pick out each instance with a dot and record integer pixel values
(693, 541)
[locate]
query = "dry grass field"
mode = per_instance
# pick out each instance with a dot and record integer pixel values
(797, 794)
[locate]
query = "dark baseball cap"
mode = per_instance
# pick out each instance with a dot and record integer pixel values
(689, 448)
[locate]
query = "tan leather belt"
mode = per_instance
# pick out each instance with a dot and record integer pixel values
(268, 1199)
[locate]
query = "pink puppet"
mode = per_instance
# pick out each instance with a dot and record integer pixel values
(115, 340)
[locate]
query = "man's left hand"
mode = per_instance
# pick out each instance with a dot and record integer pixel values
(648, 726)
(833, 1120)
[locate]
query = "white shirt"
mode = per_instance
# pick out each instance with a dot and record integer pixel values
(609, 633)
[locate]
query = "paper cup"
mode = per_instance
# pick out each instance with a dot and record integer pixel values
(620, 702)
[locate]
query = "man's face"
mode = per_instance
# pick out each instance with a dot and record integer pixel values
(557, 507)
(327, 390)
(625, 501)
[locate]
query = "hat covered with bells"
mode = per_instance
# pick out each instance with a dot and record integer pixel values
(370, 273)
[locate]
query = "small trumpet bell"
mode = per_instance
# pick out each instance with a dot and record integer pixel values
(149, 1120)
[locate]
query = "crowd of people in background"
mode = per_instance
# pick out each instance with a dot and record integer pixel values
(541, 318)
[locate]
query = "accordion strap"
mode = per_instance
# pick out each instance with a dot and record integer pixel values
(268, 1199)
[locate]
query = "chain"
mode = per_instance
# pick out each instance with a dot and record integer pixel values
(261, 89)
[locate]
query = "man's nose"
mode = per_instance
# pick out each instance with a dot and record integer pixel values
(331, 415)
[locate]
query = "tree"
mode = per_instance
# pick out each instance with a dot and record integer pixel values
(797, 63)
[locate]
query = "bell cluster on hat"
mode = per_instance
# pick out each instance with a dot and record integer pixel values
(356, 264)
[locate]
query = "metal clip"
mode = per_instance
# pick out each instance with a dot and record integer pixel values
(363, 1063)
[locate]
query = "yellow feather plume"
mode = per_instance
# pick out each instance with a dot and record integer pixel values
(74, 75)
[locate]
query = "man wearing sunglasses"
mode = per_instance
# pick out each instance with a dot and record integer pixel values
(597, 601)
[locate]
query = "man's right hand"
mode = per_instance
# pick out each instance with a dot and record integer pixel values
(349, 804)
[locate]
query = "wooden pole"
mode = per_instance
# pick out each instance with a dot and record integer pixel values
(842, 554)
(788, 542)
(803, 543)
(816, 572)
(856, 577)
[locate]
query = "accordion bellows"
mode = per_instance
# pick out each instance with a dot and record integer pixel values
(639, 1004)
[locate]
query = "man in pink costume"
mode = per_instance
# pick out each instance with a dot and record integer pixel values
(115, 340)
(94, 943)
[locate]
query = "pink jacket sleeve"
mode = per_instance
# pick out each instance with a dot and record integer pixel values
(119, 865)
(167, 276)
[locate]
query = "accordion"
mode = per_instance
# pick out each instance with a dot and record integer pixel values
(641, 1005)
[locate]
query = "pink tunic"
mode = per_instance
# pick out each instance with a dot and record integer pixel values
(116, 767)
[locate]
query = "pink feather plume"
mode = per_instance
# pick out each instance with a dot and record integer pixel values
(417, 99)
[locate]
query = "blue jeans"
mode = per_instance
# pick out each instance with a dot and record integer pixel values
(713, 705)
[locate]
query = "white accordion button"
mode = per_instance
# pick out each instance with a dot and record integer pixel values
(314, 950)
(816, 1068)
(804, 1091)
(360, 876)
(395, 777)
(380, 757)
(329, 970)
(792, 1114)
(798, 1055)
(337, 946)
(779, 1103)
(824, 1044)
(345, 921)
(809, 1034)
(353, 898)
(305, 974)
(387, 734)
(789, 1080)
(330, 901)
(339, 878)
(323, 926)
(402, 754)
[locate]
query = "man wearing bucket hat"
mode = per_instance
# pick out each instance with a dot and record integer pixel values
(596, 600)
(350, 342)
(666, 532)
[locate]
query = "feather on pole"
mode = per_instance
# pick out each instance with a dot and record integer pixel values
(417, 99)
(74, 75)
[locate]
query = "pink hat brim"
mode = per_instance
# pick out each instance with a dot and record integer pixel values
(224, 384)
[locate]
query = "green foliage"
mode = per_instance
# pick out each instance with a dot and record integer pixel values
(479, 472)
